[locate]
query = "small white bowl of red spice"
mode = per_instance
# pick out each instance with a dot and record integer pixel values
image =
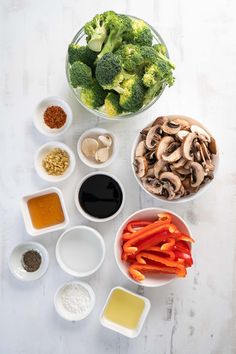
(53, 116)
(153, 247)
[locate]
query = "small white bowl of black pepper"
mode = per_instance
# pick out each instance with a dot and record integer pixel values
(28, 261)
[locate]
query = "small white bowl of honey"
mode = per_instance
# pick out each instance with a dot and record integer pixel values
(125, 312)
(44, 211)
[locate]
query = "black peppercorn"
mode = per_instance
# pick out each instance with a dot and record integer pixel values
(31, 260)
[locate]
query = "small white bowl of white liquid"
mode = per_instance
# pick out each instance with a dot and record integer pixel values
(80, 251)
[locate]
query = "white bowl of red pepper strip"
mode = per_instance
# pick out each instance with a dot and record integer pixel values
(153, 247)
(52, 116)
(28, 261)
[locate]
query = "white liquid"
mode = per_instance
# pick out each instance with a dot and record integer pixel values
(80, 250)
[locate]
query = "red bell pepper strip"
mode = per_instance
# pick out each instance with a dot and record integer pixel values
(182, 246)
(127, 235)
(183, 237)
(136, 270)
(157, 249)
(164, 217)
(154, 240)
(168, 245)
(169, 263)
(150, 230)
(132, 226)
(188, 261)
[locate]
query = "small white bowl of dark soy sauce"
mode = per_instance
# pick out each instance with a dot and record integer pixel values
(99, 196)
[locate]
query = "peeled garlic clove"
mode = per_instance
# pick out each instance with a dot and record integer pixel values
(102, 155)
(105, 140)
(89, 147)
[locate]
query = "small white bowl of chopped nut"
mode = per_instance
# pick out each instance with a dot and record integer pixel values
(54, 161)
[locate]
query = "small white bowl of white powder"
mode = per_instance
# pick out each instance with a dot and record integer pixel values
(74, 300)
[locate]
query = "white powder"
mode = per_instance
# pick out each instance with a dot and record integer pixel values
(75, 298)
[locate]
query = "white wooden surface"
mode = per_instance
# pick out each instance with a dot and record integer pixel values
(196, 315)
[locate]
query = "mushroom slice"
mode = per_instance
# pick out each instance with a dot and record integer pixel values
(197, 174)
(140, 149)
(141, 166)
(144, 132)
(174, 180)
(183, 171)
(153, 137)
(163, 145)
(196, 150)
(201, 133)
(171, 127)
(160, 121)
(150, 172)
(212, 146)
(159, 167)
(151, 157)
(182, 134)
(180, 163)
(168, 191)
(180, 193)
(184, 124)
(102, 155)
(106, 140)
(188, 187)
(173, 152)
(89, 147)
(152, 185)
(187, 146)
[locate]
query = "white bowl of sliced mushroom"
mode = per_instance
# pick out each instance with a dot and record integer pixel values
(97, 147)
(175, 158)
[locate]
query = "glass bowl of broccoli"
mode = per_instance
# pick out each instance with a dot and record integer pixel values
(117, 66)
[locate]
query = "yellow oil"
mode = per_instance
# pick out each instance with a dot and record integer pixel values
(124, 309)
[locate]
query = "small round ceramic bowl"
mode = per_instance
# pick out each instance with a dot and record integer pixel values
(95, 133)
(81, 210)
(43, 151)
(16, 265)
(151, 280)
(70, 316)
(39, 119)
(202, 188)
(80, 251)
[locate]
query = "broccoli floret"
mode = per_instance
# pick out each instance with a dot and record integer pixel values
(112, 106)
(131, 99)
(156, 76)
(149, 55)
(160, 48)
(152, 92)
(130, 56)
(93, 96)
(96, 31)
(81, 53)
(160, 71)
(109, 72)
(140, 33)
(118, 26)
(80, 75)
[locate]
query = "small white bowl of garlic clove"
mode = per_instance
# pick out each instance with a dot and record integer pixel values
(97, 147)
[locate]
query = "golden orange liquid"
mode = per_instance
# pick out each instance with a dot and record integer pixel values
(124, 309)
(45, 210)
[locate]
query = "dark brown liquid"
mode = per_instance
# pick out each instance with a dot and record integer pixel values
(100, 196)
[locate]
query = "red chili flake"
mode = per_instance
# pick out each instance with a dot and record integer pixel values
(54, 117)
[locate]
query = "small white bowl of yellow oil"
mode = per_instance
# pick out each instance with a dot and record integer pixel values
(125, 312)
